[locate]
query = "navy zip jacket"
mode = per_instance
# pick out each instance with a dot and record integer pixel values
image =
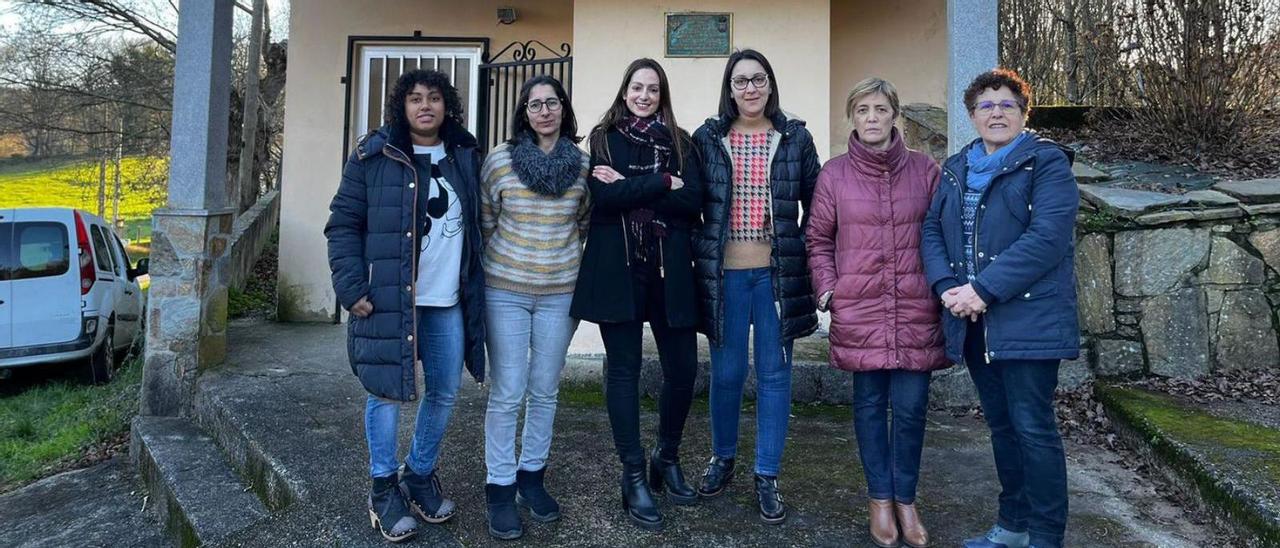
(373, 236)
(1025, 245)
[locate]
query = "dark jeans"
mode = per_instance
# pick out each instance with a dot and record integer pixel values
(1017, 400)
(678, 352)
(890, 452)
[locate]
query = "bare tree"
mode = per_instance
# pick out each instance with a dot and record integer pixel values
(116, 57)
(1207, 72)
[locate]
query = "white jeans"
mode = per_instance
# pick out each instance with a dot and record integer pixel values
(527, 337)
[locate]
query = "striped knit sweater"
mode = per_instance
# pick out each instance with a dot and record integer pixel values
(533, 243)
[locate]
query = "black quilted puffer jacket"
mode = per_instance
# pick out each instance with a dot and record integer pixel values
(794, 170)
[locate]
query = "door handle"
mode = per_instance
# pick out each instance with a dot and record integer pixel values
(128, 292)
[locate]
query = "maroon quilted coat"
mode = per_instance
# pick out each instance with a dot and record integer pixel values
(863, 242)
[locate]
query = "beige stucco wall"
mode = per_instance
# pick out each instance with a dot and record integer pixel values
(904, 42)
(609, 34)
(318, 31)
(819, 49)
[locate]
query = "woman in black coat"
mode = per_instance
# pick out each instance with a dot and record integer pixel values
(646, 186)
(761, 166)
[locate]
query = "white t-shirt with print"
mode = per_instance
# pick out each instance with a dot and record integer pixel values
(440, 250)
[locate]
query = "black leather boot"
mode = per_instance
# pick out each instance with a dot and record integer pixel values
(426, 498)
(389, 512)
(637, 501)
(771, 508)
(716, 478)
(504, 518)
(666, 476)
(531, 494)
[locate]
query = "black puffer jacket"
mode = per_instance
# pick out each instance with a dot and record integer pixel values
(369, 257)
(793, 173)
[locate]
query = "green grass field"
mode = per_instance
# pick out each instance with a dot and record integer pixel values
(45, 429)
(74, 183)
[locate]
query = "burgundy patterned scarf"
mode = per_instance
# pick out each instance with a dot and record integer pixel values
(643, 226)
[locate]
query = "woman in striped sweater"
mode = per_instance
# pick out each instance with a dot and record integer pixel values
(534, 211)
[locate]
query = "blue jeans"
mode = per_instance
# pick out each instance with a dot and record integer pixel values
(1017, 400)
(440, 341)
(748, 301)
(890, 453)
(528, 336)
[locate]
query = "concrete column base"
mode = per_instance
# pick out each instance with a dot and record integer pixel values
(186, 306)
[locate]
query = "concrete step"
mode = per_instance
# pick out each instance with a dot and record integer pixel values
(198, 496)
(1229, 466)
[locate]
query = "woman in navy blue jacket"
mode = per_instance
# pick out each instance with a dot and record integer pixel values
(404, 249)
(998, 244)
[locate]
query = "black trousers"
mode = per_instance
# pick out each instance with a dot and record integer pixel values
(678, 352)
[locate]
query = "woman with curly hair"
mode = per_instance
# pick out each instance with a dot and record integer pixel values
(404, 250)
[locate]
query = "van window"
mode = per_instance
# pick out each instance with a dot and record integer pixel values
(122, 256)
(101, 251)
(38, 250)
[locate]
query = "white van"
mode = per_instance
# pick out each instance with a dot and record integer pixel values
(67, 291)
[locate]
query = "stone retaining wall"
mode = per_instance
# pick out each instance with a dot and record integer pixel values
(249, 235)
(1179, 285)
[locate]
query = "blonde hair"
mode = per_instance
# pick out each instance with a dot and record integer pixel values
(868, 87)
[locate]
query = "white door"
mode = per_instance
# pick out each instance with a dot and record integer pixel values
(45, 285)
(108, 281)
(380, 66)
(129, 309)
(6, 300)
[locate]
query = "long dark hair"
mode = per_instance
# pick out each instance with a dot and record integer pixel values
(520, 120)
(394, 115)
(729, 107)
(618, 111)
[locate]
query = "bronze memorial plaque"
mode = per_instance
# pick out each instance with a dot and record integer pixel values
(696, 34)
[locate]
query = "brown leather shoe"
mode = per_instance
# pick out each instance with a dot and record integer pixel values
(884, 528)
(914, 535)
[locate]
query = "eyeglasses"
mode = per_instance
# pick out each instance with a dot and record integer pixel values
(1008, 107)
(552, 105)
(759, 81)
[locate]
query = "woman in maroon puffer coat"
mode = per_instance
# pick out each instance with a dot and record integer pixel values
(863, 242)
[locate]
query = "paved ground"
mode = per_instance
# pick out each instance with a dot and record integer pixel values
(290, 389)
(97, 506)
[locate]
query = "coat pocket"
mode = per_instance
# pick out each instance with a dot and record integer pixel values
(1039, 290)
(1018, 201)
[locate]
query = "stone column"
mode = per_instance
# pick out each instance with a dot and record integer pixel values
(972, 48)
(187, 302)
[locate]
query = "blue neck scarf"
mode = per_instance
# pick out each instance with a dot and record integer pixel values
(983, 166)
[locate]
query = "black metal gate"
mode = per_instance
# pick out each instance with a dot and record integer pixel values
(505, 78)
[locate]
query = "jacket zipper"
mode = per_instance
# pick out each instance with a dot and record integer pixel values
(977, 217)
(626, 248)
(413, 266)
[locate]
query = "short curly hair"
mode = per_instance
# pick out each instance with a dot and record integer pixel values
(995, 79)
(394, 115)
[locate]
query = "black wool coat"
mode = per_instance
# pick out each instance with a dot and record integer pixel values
(604, 291)
(373, 234)
(793, 175)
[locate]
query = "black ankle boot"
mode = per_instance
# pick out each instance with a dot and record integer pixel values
(425, 496)
(504, 518)
(388, 511)
(637, 501)
(716, 478)
(771, 508)
(666, 475)
(531, 494)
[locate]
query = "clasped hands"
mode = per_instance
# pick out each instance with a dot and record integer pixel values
(608, 175)
(964, 302)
